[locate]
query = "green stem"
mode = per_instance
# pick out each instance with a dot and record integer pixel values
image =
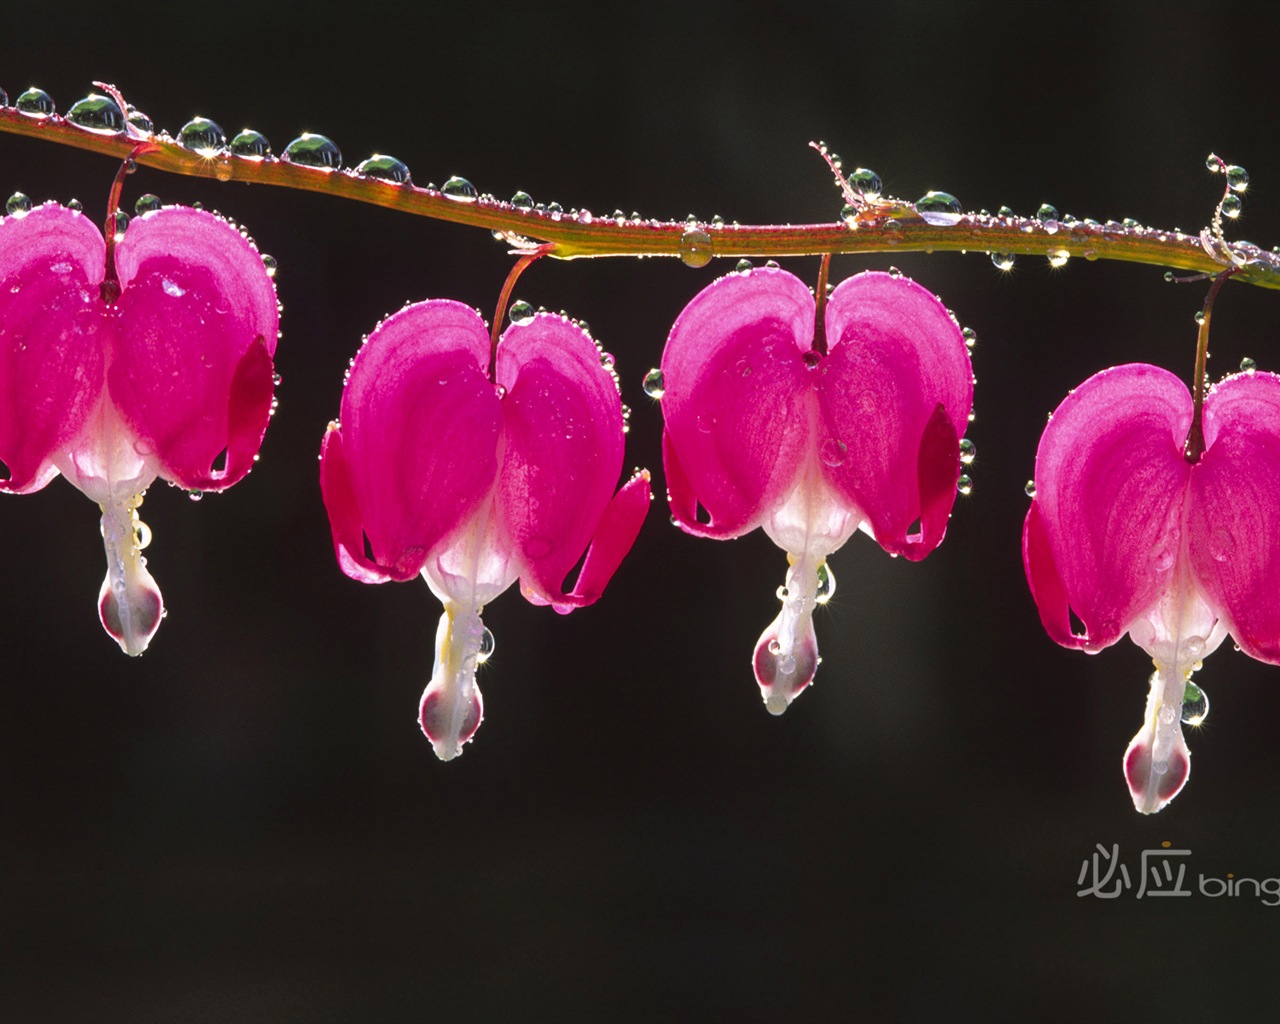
(897, 228)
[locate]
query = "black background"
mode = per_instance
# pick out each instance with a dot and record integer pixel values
(246, 824)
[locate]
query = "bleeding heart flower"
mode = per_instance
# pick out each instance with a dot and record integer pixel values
(813, 434)
(1134, 538)
(114, 379)
(436, 469)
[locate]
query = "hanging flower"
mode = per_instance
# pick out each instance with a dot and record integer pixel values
(813, 434)
(1132, 537)
(114, 371)
(436, 469)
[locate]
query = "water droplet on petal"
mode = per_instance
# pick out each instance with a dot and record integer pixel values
(867, 182)
(147, 204)
(99, 114)
(826, 584)
(811, 359)
(965, 484)
(1030, 489)
(1195, 705)
(1231, 206)
(1247, 365)
(75, 205)
(18, 204)
(460, 190)
(832, 452)
(122, 224)
(654, 386)
(970, 337)
(311, 150)
(1003, 260)
(968, 451)
(251, 145)
(743, 267)
(35, 103)
(520, 312)
(1237, 178)
(486, 647)
(195, 495)
(269, 264)
(384, 168)
(695, 248)
(939, 208)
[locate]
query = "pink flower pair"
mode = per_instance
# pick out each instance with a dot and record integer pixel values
(116, 368)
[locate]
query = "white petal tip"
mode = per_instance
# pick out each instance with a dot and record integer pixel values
(776, 703)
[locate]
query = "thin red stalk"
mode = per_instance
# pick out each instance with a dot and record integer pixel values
(503, 298)
(820, 316)
(1194, 447)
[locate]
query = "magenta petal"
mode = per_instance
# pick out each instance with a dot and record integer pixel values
(896, 391)
(344, 515)
(51, 338)
(1234, 517)
(420, 425)
(737, 401)
(563, 427)
(613, 538)
(1111, 480)
(196, 304)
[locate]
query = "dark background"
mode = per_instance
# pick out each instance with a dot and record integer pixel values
(246, 824)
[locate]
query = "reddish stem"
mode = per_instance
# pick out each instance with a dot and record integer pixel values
(110, 288)
(504, 297)
(1194, 446)
(820, 315)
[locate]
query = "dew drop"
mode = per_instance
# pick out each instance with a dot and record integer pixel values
(460, 190)
(849, 214)
(384, 168)
(1195, 705)
(122, 224)
(780, 593)
(772, 265)
(269, 264)
(4, 98)
(147, 204)
(826, 584)
(520, 312)
(695, 248)
(75, 205)
(939, 208)
(98, 114)
(968, 451)
(1003, 260)
(486, 647)
(965, 484)
(654, 386)
(35, 103)
(1048, 216)
(970, 337)
(203, 137)
(1237, 178)
(140, 121)
(18, 204)
(833, 451)
(311, 150)
(743, 267)
(1231, 206)
(522, 201)
(811, 359)
(195, 495)
(1248, 365)
(1005, 211)
(1160, 767)
(1058, 258)
(1030, 489)
(867, 182)
(251, 145)
(1213, 163)
(1200, 316)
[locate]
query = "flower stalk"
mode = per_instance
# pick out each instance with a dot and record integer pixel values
(898, 227)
